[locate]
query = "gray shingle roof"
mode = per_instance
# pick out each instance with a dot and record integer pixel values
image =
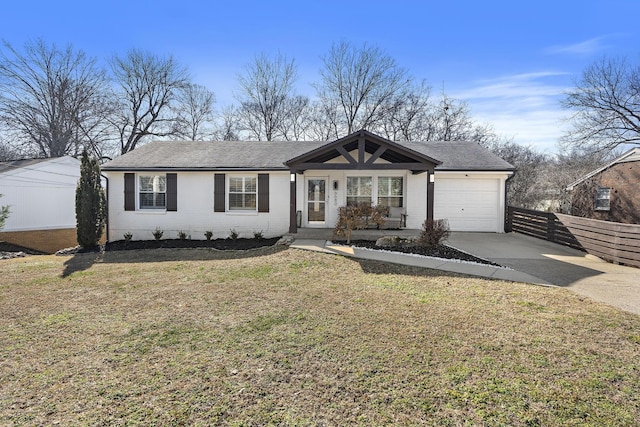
(461, 155)
(17, 164)
(259, 155)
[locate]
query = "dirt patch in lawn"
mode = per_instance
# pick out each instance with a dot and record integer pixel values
(290, 337)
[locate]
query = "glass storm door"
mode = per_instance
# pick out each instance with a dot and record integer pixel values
(316, 201)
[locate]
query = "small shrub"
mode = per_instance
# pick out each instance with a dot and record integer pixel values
(208, 234)
(127, 237)
(157, 233)
(434, 231)
(182, 235)
(357, 218)
(4, 214)
(233, 234)
(258, 235)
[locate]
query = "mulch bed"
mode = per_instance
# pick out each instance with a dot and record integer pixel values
(440, 251)
(8, 250)
(221, 244)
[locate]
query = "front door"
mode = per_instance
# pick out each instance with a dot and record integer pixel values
(316, 201)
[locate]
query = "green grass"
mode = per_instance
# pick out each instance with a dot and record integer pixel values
(273, 337)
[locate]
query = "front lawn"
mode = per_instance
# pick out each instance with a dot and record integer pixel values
(287, 337)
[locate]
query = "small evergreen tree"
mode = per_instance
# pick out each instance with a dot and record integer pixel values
(90, 203)
(4, 214)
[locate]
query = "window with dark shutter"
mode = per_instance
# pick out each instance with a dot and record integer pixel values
(129, 192)
(263, 192)
(172, 192)
(218, 193)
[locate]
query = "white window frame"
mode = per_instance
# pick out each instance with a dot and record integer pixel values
(601, 197)
(389, 195)
(139, 192)
(243, 193)
(360, 195)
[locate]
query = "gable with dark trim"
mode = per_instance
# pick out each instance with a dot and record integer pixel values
(363, 151)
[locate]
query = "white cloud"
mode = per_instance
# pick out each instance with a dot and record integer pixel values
(516, 86)
(525, 107)
(586, 47)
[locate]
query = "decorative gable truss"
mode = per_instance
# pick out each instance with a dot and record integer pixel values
(363, 151)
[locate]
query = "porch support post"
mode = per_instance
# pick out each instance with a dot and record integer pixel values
(293, 224)
(430, 194)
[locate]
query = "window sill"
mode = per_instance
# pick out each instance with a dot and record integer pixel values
(152, 211)
(242, 213)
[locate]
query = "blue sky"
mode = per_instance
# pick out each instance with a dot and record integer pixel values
(511, 60)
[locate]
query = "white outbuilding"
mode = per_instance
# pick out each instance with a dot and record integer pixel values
(40, 194)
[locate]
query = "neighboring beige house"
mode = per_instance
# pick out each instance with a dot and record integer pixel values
(41, 198)
(277, 187)
(611, 192)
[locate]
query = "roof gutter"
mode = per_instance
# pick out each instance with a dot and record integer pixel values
(192, 169)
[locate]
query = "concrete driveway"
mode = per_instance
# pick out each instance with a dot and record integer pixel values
(557, 265)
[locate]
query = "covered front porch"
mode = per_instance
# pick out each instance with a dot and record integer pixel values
(361, 168)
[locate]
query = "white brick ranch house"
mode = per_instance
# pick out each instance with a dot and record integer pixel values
(277, 187)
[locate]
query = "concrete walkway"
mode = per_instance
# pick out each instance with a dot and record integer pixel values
(526, 259)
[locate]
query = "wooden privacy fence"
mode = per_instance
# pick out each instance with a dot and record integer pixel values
(543, 225)
(613, 241)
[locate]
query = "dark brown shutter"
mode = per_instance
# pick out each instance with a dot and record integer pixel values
(129, 191)
(172, 192)
(218, 193)
(263, 192)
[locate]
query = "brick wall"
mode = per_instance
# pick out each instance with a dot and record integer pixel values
(624, 181)
(48, 241)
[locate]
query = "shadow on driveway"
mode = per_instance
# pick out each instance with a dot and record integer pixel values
(558, 265)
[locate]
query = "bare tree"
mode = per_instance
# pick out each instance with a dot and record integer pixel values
(324, 120)
(407, 116)
(7, 152)
(267, 87)
(606, 105)
(529, 187)
(194, 111)
(296, 123)
(228, 128)
(451, 120)
(147, 86)
(570, 165)
(359, 82)
(52, 99)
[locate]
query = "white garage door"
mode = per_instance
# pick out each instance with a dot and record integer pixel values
(470, 204)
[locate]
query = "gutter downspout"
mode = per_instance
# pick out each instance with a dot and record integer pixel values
(507, 220)
(106, 222)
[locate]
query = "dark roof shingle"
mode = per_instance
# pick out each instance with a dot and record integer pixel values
(259, 155)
